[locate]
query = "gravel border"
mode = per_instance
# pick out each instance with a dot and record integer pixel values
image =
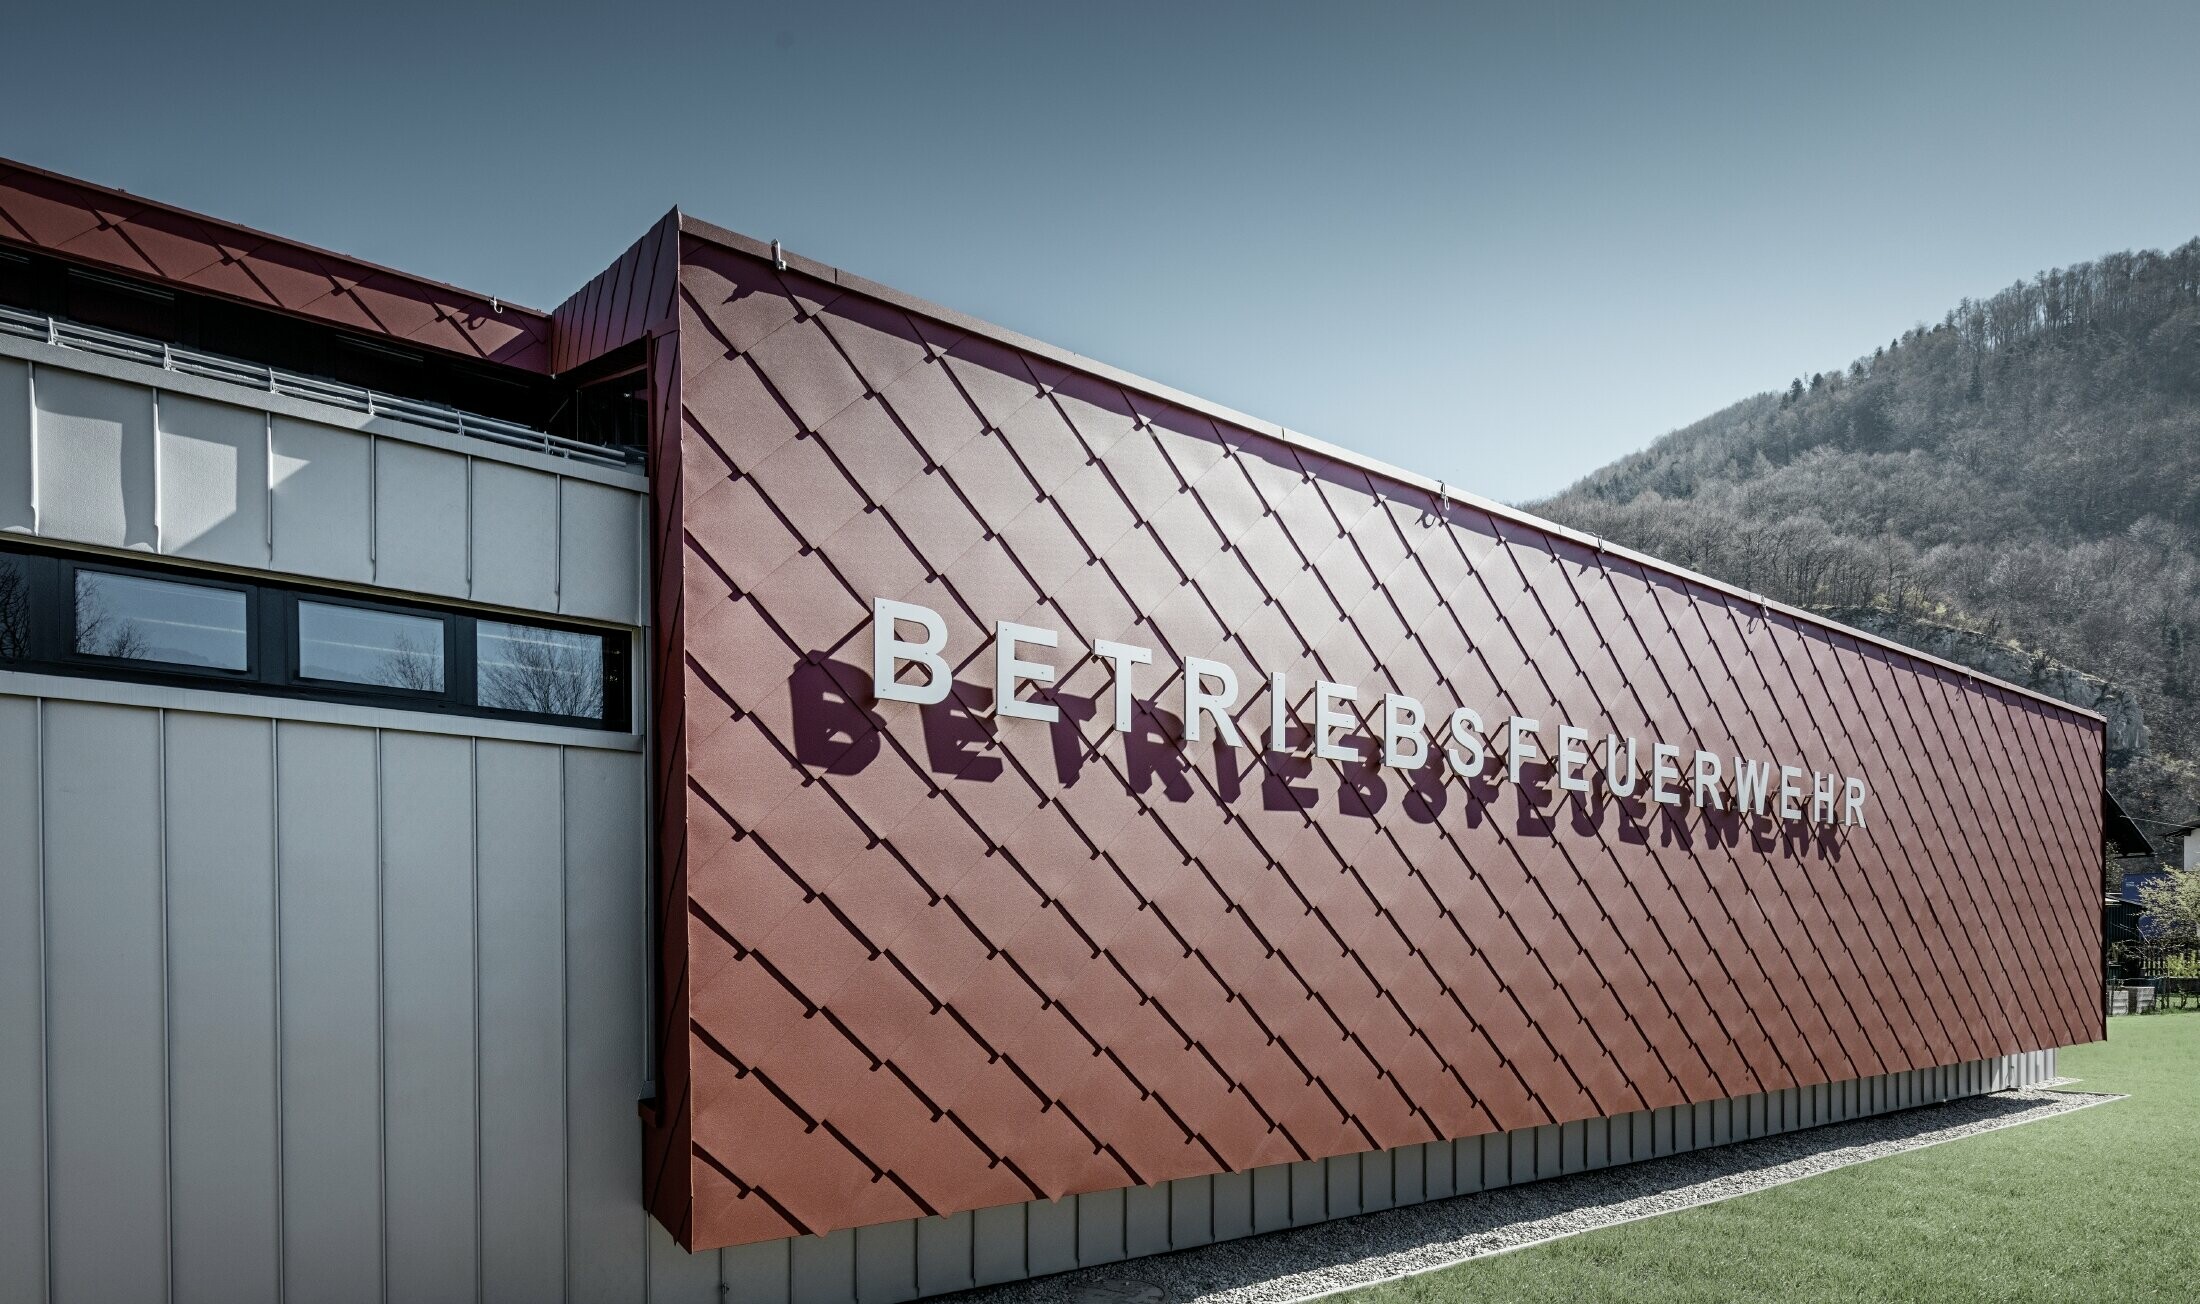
(1346, 1254)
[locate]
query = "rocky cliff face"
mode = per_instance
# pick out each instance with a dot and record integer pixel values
(2127, 729)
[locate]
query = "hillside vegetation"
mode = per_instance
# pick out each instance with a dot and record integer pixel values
(2028, 470)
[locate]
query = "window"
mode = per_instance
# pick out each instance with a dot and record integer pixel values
(70, 614)
(364, 645)
(132, 618)
(540, 671)
(15, 608)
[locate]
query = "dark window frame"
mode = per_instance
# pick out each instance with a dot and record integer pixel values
(294, 644)
(272, 649)
(65, 632)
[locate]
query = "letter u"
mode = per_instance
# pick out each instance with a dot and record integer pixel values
(1611, 766)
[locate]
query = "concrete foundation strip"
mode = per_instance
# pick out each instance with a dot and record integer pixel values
(1326, 1259)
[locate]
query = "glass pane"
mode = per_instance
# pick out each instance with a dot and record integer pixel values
(359, 646)
(15, 608)
(548, 671)
(159, 620)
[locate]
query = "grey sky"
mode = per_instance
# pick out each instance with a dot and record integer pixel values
(1501, 246)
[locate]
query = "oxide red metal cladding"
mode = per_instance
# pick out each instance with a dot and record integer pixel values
(927, 957)
(1210, 695)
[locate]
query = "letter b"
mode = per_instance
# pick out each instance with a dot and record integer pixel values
(889, 652)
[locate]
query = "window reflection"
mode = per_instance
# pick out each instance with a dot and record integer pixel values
(137, 619)
(358, 645)
(547, 671)
(15, 609)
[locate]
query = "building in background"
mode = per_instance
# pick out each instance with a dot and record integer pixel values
(751, 780)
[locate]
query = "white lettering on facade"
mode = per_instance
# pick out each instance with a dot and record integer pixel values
(1011, 671)
(1328, 720)
(1573, 755)
(1404, 745)
(1123, 656)
(890, 652)
(1215, 706)
(1466, 730)
(1405, 736)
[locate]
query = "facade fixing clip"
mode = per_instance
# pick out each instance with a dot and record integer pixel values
(779, 258)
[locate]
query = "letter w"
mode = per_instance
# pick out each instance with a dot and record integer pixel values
(1751, 781)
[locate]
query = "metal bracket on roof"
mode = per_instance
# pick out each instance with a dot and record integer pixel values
(1443, 497)
(779, 258)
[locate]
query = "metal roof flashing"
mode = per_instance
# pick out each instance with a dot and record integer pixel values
(772, 251)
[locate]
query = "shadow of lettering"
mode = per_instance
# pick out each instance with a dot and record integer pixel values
(1673, 827)
(956, 737)
(1277, 791)
(1426, 792)
(833, 730)
(1067, 734)
(1533, 816)
(1361, 789)
(1153, 750)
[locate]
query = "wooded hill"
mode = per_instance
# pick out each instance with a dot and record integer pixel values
(2027, 472)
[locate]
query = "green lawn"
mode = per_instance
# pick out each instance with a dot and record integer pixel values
(2103, 1204)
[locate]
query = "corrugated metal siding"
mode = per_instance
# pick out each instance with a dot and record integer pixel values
(319, 1012)
(100, 452)
(951, 966)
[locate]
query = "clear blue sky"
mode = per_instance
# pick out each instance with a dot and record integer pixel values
(1501, 246)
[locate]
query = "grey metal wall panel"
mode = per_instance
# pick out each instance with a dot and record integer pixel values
(520, 859)
(1408, 1180)
(420, 527)
(106, 1000)
(757, 1273)
(1378, 1178)
(515, 536)
(1099, 1227)
(1272, 1197)
(1309, 1191)
(1343, 1184)
(599, 552)
(22, 1010)
(321, 488)
(224, 1116)
(429, 1088)
(824, 1268)
(1145, 1220)
(1437, 1176)
(1191, 1211)
(944, 1253)
(1050, 1235)
(94, 448)
(676, 1276)
(15, 445)
(1522, 1164)
(328, 867)
(606, 1009)
(213, 481)
(1236, 1197)
(309, 911)
(1496, 1160)
(996, 1244)
(886, 1262)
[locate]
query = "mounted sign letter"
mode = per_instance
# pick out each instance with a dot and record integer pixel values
(889, 652)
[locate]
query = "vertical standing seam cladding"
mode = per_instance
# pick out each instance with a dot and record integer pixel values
(918, 961)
